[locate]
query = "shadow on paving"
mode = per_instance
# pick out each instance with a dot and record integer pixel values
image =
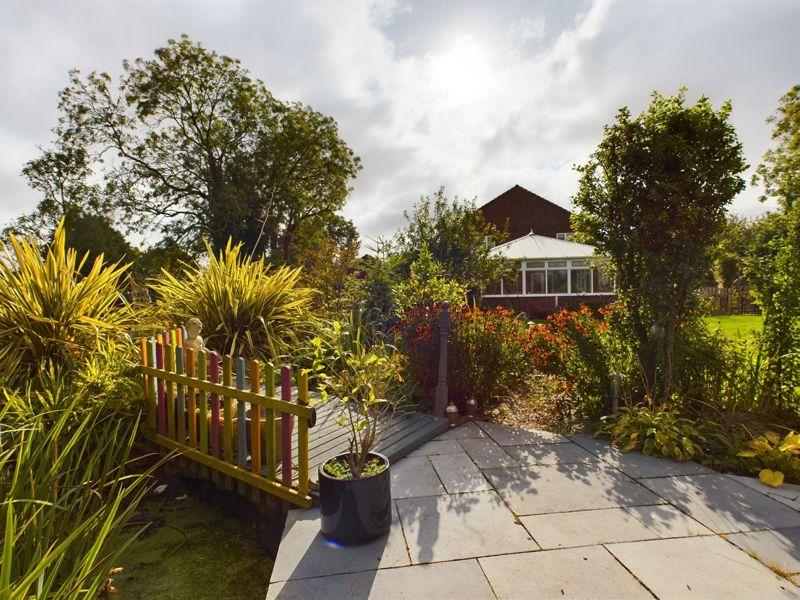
(725, 505)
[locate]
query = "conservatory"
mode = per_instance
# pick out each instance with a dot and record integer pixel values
(551, 272)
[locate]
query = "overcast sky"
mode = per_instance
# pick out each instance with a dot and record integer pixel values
(476, 96)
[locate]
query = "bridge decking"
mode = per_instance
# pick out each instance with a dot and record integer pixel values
(403, 432)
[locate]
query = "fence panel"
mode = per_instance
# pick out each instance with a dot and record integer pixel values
(190, 408)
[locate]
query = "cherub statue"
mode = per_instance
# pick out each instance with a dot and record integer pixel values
(193, 338)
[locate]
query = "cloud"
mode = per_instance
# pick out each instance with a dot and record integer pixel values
(473, 95)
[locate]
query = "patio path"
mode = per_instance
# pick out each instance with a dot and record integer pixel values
(488, 511)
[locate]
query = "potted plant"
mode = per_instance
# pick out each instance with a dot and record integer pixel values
(354, 487)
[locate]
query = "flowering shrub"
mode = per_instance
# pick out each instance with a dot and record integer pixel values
(489, 352)
(577, 349)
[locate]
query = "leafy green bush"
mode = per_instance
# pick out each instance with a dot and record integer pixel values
(247, 307)
(428, 286)
(655, 432)
(54, 311)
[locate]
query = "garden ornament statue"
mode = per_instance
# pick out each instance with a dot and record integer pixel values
(193, 338)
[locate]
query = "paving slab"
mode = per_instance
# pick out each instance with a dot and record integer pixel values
(467, 525)
(435, 447)
(515, 436)
(790, 491)
(667, 521)
(486, 453)
(775, 548)
(465, 431)
(575, 573)
(567, 487)
(414, 476)
(550, 454)
(700, 567)
(584, 528)
(459, 474)
(635, 464)
(722, 504)
(305, 553)
(445, 581)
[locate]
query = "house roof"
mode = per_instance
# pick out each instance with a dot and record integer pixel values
(539, 247)
(525, 194)
(518, 211)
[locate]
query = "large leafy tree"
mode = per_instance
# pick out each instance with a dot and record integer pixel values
(190, 144)
(458, 238)
(774, 266)
(62, 175)
(653, 198)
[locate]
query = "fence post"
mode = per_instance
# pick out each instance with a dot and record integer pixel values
(302, 434)
(445, 322)
(286, 427)
(241, 416)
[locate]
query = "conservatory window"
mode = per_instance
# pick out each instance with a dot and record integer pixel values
(557, 281)
(580, 281)
(602, 282)
(535, 282)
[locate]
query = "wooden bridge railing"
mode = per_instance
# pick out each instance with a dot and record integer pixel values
(196, 405)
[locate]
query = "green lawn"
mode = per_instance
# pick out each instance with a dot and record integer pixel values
(195, 552)
(736, 327)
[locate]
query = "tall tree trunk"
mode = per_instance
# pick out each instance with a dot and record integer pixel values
(669, 359)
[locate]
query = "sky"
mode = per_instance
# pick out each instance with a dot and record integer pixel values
(475, 96)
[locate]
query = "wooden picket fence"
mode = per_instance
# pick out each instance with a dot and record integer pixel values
(197, 406)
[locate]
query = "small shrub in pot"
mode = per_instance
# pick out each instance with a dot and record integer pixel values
(355, 494)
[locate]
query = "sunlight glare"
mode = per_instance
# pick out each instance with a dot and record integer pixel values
(461, 71)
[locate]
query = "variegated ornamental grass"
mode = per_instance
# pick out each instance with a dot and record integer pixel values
(247, 307)
(67, 491)
(51, 316)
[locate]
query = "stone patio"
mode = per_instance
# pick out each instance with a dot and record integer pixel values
(488, 511)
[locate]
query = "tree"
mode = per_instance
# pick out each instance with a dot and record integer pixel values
(652, 198)
(188, 143)
(457, 236)
(427, 285)
(94, 234)
(731, 250)
(329, 257)
(61, 175)
(773, 269)
(166, 254)
(382, 272)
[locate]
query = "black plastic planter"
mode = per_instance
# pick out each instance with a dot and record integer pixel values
(355, 511)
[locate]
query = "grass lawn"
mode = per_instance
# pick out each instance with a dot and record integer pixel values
(736, 327)
(194, 552)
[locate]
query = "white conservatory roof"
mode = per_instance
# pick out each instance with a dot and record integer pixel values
(536, 247)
